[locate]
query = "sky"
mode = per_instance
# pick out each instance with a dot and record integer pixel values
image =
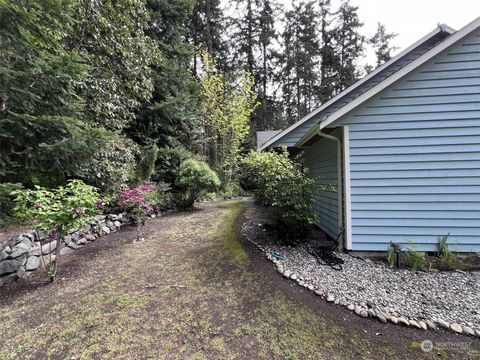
(412, 19)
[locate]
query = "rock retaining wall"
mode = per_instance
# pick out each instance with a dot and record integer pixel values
(27, 252)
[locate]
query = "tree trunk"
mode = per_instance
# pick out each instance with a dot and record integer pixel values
(208, 14)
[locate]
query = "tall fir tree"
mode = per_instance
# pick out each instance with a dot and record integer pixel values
(348, 45)
(381, 43)
(205, 27)
(328, 55)
(38, 101)
(300, 60)
(252, 29)
(170, 117)
(111, 35)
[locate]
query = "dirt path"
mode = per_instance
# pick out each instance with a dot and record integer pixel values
(189, 291)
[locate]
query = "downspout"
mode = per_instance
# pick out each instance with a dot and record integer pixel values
(339, 185)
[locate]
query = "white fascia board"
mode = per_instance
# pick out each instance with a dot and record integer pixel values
(401, 73)
(438, 29)
(348, 190)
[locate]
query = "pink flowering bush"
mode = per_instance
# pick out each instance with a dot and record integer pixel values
(138, 201)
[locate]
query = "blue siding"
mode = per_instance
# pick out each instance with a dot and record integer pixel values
(321, 162)
(415, 156)
(291, 138)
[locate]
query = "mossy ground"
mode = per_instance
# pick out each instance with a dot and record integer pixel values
(189, 291)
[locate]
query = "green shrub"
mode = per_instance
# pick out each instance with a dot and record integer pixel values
(146, 165)
(168, 163)
(58, 210)
(194, 179)
(277, 181)
(7, 202)
(231, 189)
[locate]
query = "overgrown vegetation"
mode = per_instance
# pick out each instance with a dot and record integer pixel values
(392, 256)
(226, 120)
(278, 181)
(116, 93)
(444, 258)
(415, 260)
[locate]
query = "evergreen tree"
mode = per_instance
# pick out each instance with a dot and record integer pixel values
(253, 32)
(328, 55)
(300, 61)
(170, 117)
(205, 25)
(348, 45)
(111, 35)
(380, 42)
(38, 76)
(268, 35)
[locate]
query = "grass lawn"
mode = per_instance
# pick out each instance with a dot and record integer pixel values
(189, 291)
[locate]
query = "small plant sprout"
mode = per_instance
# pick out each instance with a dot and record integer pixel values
(447, 258)
(414, 259)
(391, 256)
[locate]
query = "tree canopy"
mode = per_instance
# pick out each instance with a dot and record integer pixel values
(111, 92)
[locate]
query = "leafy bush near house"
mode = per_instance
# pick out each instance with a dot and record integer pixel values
(7, 201)
(55, 211)
(194, 179)
(278, 181)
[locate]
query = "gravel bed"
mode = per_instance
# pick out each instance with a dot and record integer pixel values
(412, 298)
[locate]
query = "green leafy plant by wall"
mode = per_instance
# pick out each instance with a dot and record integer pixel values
(194, 179)
(279, 182)
(57, 211)
(447, 258)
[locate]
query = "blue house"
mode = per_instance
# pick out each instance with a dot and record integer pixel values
(398, 152)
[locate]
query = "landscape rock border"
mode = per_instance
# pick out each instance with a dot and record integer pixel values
(361, 309)
(25, 253)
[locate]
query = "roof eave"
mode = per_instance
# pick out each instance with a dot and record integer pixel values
(439, 29)
(401, 73)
